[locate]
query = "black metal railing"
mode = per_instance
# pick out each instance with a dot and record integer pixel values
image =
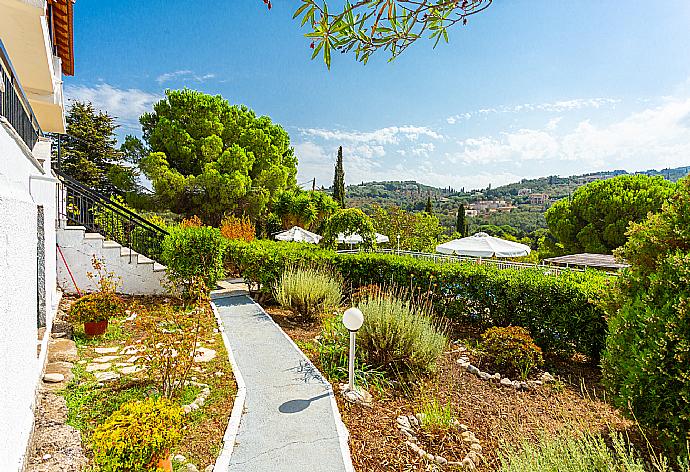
(14, 105)
(82, 206)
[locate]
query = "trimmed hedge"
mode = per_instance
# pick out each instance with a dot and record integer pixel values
(559, 311)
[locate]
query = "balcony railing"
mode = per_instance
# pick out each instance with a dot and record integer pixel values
(14, 105)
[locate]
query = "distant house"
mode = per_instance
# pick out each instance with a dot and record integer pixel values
(524, 192)
(471, 212)
(538, 198)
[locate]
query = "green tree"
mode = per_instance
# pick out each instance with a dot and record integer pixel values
(646, 364)
(596, 218)
(89, 154)
(210, 158)
(416, 231)
(349, 221)
(460, 225)
(428, 208)
(306, 209)
(339, 180)
(391, 25)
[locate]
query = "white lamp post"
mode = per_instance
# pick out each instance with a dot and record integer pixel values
(352, 319)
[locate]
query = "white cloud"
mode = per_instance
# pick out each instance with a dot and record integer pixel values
(547, 107)
(655, 137)
(125, 104)
(424, 149)
(183, 75)
(388, 135)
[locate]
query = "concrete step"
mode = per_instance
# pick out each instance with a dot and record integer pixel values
(111, 244)
(93, 236)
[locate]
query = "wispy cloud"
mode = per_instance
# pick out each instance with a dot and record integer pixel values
(184, 75)
(389, 135)
(559, 106)
(127, 105)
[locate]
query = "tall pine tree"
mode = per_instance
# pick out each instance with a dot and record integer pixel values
(339, 180)
(460, 222)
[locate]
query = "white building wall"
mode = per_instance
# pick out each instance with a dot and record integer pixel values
(24, 185)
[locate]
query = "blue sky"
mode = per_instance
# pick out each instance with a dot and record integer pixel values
(528, 88)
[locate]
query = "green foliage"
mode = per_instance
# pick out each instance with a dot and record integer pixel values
(460, 224)
(512, 348)
(589, 453)
(308, 291)
(349, 221)
(399, 335)
(437, 417)
(428, 208)
(596, 218)
(305, 209)
(558, 310)
(194, 252)
(417, 231)
(136, 435)
(339, 180)
(95, 307)
(393, 26)
(89, 154)
(332, 349)
(209, 158)
(646, 365)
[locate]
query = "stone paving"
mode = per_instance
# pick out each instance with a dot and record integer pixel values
(290, 420)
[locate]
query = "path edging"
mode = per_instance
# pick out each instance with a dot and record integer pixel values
(223, 459)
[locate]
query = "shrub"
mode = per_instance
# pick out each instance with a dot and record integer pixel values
(512, 348)
(646, 366)
(169, 346)
(560, 311)
(565, 454)
(95, 307)
(308, 291)
(398, 335)
(191, 222)
(194, 252)
(133, 437)
(233, 227)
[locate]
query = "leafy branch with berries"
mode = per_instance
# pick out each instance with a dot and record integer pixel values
(367, 26)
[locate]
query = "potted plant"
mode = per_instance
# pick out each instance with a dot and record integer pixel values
(94, 310)
(139, 436)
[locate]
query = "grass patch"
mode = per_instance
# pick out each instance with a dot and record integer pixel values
(437, 416)
(115, 332)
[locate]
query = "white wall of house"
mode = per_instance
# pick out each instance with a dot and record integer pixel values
(24, 186)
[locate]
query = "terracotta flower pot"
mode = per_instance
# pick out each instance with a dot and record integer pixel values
(163, 461)
(95, 328)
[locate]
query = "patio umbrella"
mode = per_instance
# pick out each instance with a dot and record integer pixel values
(483, 245)
(298, 234)
(355, 238)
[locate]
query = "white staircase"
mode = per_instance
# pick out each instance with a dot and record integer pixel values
(138, 274)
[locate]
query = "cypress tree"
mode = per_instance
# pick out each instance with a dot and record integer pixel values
(339, 180)
(429, 208)
(460, 222)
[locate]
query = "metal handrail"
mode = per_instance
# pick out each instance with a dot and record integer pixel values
(82, 206)
(15, 106)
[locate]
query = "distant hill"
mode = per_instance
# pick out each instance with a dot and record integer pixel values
(411, 195)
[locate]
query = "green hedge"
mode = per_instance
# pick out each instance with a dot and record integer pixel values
(194, 252)
(559, 310)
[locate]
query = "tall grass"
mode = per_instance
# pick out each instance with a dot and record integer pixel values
(437, 416)
(589, 453)
(308, 291)
(399, 333)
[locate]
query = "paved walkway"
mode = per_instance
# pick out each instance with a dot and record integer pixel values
(290, 421)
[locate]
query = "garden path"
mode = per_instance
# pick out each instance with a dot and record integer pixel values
(290, 421)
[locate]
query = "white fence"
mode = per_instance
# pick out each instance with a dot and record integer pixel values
(449, 258)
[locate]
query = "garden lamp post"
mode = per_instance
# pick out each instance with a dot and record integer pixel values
(352, 319)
